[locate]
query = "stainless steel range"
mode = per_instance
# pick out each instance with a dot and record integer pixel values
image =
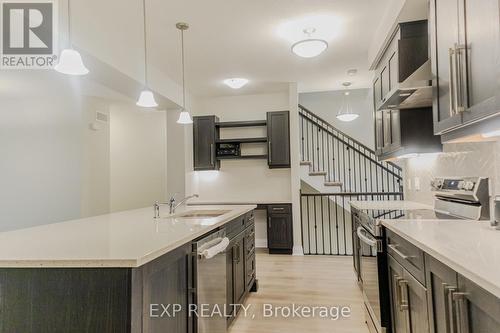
(464, 198)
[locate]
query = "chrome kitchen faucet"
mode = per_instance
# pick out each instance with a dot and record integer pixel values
(171, 203)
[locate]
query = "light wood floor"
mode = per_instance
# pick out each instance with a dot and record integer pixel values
(303, 280)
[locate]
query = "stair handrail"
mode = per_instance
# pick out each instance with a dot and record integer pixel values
(310, 113)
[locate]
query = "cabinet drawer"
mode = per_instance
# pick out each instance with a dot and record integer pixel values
(250, 270)
(236, 226)
(250, 219)
(250, 240)
(407, 254)
(279, 209)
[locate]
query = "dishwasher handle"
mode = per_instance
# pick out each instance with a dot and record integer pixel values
(215, 250)
(365, 239)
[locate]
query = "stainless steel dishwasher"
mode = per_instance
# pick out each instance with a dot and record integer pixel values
(211, 281)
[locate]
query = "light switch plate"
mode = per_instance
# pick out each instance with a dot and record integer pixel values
(409, 184)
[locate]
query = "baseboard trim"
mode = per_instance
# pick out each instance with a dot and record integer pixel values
(261, 243)
(298, 250)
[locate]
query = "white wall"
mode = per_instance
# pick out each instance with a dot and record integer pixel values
(241, 180)
(176, 147)
(40, 149)
(55, 167)
(95, 162)
(138, 149)
(326, 105)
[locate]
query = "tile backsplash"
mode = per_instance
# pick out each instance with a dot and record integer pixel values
(459, 159)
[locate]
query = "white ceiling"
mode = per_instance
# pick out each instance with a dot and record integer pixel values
(252, 39)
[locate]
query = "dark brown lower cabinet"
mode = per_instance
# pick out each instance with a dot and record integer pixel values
(239, 272)
(441, 284)
(279, 229)
(162, 282)
(395, 276)
(240, 265)
(46, 300)
(458, 305)
(448, 303)
(408, 300)
(476, 310)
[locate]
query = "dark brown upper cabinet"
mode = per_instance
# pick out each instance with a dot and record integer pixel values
(465, 63)
(278, 139)
(402, 74)
(205, 136)
(402, 95)
(404, 132)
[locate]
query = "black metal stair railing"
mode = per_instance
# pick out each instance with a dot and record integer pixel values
(348, 164)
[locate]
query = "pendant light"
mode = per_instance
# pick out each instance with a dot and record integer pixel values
(146, 98)
(184, 117)
(70, 60)
(345, 113)
(309, 47)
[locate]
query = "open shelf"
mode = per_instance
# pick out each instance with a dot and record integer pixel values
(248, 123)
(242, 140)
(243, 157)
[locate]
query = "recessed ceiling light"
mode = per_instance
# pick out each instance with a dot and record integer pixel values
(310, 47)
(235, 83)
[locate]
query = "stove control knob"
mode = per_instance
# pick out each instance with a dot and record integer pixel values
(469, 186)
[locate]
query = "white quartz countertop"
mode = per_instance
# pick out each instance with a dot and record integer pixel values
(124, 239)
(470, 248)
(389, 205)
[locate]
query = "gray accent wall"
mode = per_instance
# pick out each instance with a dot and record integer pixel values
(326, 104)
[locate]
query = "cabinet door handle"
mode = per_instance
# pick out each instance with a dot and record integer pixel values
(461, 77)
(462, 312)
(398, 291)
(403, 285)
(394, 247)
(448, 302)
(269, 150)
(405, 303)
(211, 154)
(451, 60)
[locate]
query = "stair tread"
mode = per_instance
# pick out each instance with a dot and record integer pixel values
(317, 173)
(305, 162)
(333, 183)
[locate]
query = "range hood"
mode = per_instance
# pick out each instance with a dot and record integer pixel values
(414, 92)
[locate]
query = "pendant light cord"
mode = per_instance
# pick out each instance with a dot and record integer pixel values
(69, 25)
(183, 74)
(145, 43)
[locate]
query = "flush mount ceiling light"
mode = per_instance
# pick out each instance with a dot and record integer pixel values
(352, 72)
(310, 47)
(146, 98)
(235, 83)
(70, 60)
(345, 113)
(184, 117)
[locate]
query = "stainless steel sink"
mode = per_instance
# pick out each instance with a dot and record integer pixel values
(201, 214)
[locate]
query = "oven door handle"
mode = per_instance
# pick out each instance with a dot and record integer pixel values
(364, 238)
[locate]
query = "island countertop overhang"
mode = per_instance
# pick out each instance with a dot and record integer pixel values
(125, 239)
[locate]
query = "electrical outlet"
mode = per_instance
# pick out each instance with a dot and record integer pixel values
(417, 184)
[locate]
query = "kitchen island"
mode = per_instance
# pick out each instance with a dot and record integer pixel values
(101, 274)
